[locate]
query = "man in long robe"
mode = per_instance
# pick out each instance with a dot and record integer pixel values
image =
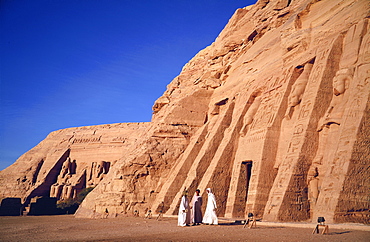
(184, 211)
(210, 216)
(196, 205)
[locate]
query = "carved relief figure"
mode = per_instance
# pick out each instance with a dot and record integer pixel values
(56, 189)
(65, 169)
(313, 191)
(297, 91)
(68, 182)
(335, 111)
(248, 117)
(291, 115)
(328, 128)
(97, 172)
(329, 124)
(67, 190)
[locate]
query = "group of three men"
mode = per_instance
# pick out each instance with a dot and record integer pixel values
(192, 212)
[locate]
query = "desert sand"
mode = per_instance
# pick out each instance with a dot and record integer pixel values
(68, 228)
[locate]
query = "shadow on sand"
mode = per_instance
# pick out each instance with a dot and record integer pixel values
(241, 224)
(344, 232)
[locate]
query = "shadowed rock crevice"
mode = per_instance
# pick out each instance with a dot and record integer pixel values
(37, 170)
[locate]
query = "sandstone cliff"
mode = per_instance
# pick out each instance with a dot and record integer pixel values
(274, 116)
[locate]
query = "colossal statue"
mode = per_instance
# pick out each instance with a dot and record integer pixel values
(328, 128)
(291, 114)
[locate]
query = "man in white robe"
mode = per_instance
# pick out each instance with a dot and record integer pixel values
(184, 211)
(210, 216)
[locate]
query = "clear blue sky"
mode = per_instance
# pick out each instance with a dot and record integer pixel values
(71, 63)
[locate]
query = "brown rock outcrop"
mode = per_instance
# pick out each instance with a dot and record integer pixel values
(274, 116)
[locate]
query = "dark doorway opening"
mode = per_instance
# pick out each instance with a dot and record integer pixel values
(242, 189)
(247, 167)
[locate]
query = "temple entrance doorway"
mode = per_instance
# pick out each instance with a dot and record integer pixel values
(242, 190)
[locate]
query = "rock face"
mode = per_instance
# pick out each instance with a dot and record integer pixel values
(273, 116)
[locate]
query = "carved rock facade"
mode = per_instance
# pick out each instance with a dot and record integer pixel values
(273, 116)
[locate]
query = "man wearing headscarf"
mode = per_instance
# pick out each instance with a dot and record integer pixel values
(210, 216)
(196, 205)
(184, 210)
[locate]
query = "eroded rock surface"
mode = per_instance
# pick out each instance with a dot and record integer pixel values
(273, 116)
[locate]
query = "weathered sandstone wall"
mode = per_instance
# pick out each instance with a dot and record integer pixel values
(274, 116)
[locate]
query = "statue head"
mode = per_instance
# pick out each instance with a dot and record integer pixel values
(299, 86)
(295, 96)
(99, 168)
(341, 81)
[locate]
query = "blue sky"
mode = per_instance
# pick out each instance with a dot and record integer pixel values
(71, 63)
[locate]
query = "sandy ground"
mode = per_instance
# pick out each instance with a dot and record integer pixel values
(68, 228)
